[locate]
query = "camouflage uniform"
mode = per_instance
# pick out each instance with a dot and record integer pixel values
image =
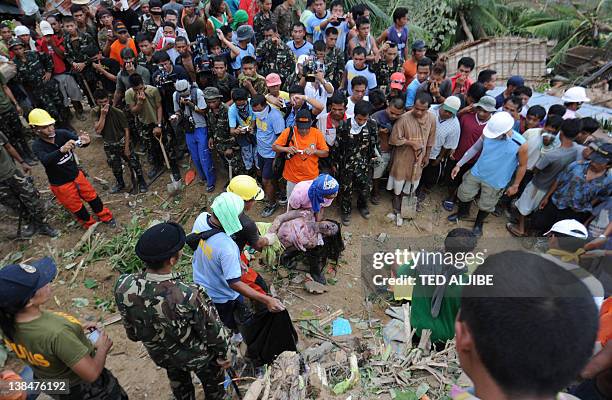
(150, 27)
(334, 66)
(292, 79)
(259, 23)
(179, 326)
(19, 193)
(106, 387)
(141, 60)
(43, 94)
(275, 58)
(354, 161)
(82, 50)
(284, 19)
(259, 83)
(383, 72)
(218, 130)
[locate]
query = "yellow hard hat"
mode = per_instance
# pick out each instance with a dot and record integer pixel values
(39, 117)
(246, 187)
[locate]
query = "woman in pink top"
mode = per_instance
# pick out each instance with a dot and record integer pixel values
(298, 229)
(314, 195)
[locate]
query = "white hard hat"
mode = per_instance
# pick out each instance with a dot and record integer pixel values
(569, 227)
(45, 28)
(21, 30)
(500, 123)
(576, 94)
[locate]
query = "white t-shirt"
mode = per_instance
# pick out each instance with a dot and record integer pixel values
(350, 107)
(320, 95)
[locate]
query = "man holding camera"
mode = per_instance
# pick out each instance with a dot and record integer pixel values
(273, 55)
(54, 148)
(190, 119)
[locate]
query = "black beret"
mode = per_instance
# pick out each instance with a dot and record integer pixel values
(160, 242)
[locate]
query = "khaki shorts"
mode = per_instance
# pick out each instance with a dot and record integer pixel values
(469, 188)
(530, 199)
(381, 167)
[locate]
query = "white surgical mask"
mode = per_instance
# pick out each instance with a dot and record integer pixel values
(355, 127)
(260, 115)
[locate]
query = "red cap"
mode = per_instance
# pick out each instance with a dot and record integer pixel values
(397, 80)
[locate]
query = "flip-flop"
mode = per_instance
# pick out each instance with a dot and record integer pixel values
(448, 205)
(513, 231)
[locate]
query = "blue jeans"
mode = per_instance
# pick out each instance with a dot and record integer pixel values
(197, 143)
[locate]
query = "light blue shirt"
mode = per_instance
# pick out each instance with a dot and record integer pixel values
(351, 72)
(249, 51)
(268, 130)
(411, 92)
(343, 30)
(304, 49)
(498, 160)
(312, 26)
(236, 121)
(216, 261)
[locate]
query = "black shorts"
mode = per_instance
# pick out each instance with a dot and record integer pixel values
(265, 165)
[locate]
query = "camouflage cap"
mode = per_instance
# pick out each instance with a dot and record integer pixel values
(14, 42)
(211, 93)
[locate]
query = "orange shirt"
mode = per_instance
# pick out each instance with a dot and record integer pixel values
(302, 167)
(116, 47)
(410, 70)
(605, 322)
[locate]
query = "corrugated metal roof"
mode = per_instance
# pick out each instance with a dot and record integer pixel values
(546, 100)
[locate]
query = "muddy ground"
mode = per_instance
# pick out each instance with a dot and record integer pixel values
(128, 360)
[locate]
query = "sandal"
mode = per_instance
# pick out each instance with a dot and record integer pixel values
(514, 231)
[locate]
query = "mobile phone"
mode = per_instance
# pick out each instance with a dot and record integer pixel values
(93, 336)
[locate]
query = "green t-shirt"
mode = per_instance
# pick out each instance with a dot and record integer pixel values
(5, 103)
(443, 326)
(148, 112)
(7, 165)
(51, 344)
(114, 125)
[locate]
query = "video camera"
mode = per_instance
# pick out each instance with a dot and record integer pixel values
(201, 56)
(311, 66)
(163, 78)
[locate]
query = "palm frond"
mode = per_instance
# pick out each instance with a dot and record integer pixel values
(558, 29)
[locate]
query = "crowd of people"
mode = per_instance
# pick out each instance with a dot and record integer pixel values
(300, 107)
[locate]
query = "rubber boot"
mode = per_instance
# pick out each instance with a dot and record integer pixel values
(375, 195)
(316, 262)
(46, 229)
(78, 110)
(463, 210)
(142, 184)
(477, 230)
(120, 186)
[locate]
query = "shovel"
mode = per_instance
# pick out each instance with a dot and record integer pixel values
(175, 186)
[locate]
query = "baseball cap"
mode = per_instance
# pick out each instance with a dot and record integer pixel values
(45, 28)
(19, 282)
(487, 103)
(303, 119)
(569, 227)
(397, 80)
(21, 30)
(273, 80)
(452, 104)
(500, 123)
(211, 93)
(120, 27)
(418, 45)
(516, 80)
(181, 85)
(602, 152)
(127, 52)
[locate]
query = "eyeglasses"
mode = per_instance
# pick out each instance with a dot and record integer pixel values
(400, 82)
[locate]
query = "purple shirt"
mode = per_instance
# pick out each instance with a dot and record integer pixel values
(299, 197)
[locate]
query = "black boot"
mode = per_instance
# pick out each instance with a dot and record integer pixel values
(155, 172)
(78, 110)
(25, 152)
(25, 232)
(479, 221)
(142, 184)
(120, 186)
(463, 210)
(46, 229)
(316, 262)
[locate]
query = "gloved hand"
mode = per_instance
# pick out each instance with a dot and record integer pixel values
(271, 237)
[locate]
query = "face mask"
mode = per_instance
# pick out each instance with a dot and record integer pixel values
(242, 108)
(156, 12)
(355, 127)
(261, 115)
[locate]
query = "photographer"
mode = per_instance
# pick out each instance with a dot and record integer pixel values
(130, 67)
(273, 55)
(54, 148)
(317, 87)
(53, 344)
(189, 119)
(387, 65)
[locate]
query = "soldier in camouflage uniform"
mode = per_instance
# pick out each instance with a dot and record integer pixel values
(151, 25)
(34, 72)
(18, 192)
(262, 19)
(283, 17)
(176, 321)
(81, 51)
(112, 124)
(218, 132)
(274, 56)
(334, 59)
(354, 159)
(387, 65)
